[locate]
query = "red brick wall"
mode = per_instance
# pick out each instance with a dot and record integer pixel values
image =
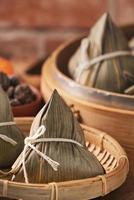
(50, 13)
(31, 29)
(122, 11)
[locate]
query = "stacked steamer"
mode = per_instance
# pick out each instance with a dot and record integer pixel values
(95, 75)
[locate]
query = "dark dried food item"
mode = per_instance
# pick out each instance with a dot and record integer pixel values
(24, 94)
(15, 102)
(4, 81)
(14, 81)
(10, 92)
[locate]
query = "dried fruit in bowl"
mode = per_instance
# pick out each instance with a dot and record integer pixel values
(18, 93)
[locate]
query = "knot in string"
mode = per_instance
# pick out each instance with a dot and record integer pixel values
(30, 143)
(32, 139)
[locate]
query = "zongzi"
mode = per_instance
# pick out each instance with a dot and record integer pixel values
(11, 138)
(104, 59)
(55, 150)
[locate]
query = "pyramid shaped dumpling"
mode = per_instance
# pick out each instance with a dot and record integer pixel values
(114, 73)
(11, 138)
(74, 160)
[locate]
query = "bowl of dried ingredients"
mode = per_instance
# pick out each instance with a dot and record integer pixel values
(25, 99)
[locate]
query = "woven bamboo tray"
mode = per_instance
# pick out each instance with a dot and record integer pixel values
(104, 147)
(107, 111)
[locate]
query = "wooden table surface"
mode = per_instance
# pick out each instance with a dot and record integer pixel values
(126, 191)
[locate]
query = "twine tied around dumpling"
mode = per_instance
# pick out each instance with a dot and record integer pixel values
(104, 59)
(6, 138)
(85, 63)
(30, 141)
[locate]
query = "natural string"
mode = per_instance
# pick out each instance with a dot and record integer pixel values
(7, 123)
(104, 185)
(54, 190)
(126, 158)
(6, 138)
(85, 63)
(103, 135)
(103, 178)
(5, 188)
(31, 140)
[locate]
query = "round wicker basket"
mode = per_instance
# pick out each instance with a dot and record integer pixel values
(104, 147)
(108, 111)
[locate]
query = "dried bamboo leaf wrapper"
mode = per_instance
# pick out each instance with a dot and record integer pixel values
(8, 152)
(115, 73)
(76, 162)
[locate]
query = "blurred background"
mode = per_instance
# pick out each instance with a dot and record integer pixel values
(31, 29)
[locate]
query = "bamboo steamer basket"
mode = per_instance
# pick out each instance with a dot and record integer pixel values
(107, 111)
(104, 147)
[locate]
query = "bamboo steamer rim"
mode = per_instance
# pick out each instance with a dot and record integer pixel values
(106, 181)
(55, 56)
(52, 60)
(83, 102)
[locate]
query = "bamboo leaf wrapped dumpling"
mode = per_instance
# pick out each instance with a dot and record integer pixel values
(104, 59)
(47, 157)
(11, 138)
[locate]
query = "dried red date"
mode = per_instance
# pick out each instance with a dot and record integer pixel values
(24, 94)
(18, 93)
(14, 81)
(15, 102)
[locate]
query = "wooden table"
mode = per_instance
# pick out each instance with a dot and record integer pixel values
(126, 191)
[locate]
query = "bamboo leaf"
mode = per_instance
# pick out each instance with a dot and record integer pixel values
(8, 152)
(76, 162)
(105, 37)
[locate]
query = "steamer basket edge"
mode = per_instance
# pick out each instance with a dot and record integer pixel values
(109, 119)
(114, 179)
